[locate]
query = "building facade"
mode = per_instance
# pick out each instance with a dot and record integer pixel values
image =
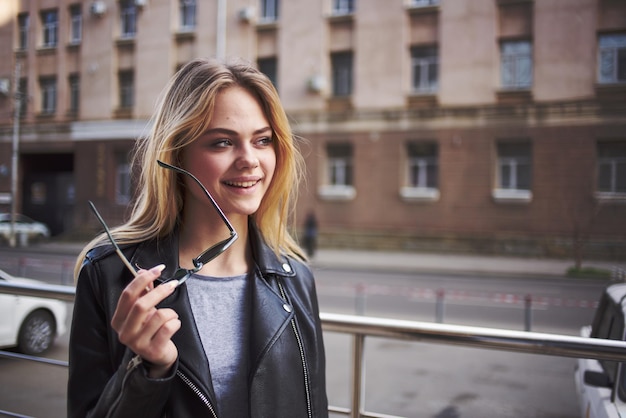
(477, 125)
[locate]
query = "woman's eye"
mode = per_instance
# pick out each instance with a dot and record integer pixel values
(221, 143)
(266, 140)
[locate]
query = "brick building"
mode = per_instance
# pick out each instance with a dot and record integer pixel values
(475, 125)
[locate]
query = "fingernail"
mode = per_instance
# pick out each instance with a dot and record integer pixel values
(157, 269)
(172, 284)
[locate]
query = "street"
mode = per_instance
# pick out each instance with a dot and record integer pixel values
(403, 378)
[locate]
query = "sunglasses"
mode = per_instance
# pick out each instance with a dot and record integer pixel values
(181, 274)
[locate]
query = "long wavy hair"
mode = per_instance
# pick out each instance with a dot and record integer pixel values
(183, 114)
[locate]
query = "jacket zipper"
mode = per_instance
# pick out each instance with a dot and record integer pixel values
(132, 365)
(198, 392)
(302, 357)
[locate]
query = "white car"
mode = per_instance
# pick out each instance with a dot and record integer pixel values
(30, 323)
(601, 384)
(24, 227)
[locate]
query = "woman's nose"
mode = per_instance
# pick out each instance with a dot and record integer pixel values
(247, 158)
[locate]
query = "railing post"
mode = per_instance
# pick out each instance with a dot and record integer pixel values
(357, 374)
(528, 312)
(440, 306)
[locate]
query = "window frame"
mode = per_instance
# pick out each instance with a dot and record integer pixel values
(128, 19)
(23, 25)
(76, 24)
(424, 57)
(613, 52)
(269, 11)
(123, 179)
(507, 187)
(513, 60)
(126, 90)
(424, 3)
(74, 93)
(342, 7)
(269, 67)
(49, 28)
(422, 157)
(338, 183)
(188, 13)
(612, 155)
(342, 65)
(49, 93)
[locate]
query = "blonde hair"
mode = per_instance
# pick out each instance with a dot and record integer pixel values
(183, 114)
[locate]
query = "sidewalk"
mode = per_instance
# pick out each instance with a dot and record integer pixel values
(414, 262)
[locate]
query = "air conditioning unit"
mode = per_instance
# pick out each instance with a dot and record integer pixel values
(98, 8)
(5, 86)
(317, 83)
(247, 14)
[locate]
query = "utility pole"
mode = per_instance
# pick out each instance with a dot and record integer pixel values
(15, 155)
(220, 47)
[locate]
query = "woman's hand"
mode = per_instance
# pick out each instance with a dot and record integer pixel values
(143, 328)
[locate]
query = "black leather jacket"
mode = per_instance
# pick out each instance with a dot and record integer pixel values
(287, 374)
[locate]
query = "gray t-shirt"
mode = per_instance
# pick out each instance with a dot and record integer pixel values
(221, 309)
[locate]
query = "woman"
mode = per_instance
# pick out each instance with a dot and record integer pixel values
(242, 336)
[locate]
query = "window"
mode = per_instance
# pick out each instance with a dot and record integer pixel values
(514, 171)
(341, 63)
(187, 14)
(424, 3)
(343, 7)
(23, 92)
(123, 187)
(50, 25)
(421, 171)
(128, 19)
(425, 69)
(268, 66)
(48, 87)
(612, 59)
(269, 10)
(76, 24)
(611, 167)
(516, 64)
(339, 172)
(127, 89)
(23, 23)
(74, 83)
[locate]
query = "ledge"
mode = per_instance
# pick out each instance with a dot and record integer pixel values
(47, 50)
(266, 25)
(340, 17)
(419, 194)
(611, 91)
(185, 35)
(513, 96)
(338, 193)
(512, 196)
(610, 197)
(422, 100)
(125, 42)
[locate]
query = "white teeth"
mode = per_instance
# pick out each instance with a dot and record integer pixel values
(241, 183)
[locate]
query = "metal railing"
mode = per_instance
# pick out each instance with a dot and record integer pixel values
(363, 326)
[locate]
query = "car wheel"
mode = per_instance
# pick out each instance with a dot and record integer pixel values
(36, 333)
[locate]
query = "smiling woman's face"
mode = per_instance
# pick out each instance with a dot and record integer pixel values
(235, 158)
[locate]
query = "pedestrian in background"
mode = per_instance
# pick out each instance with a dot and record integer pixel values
(310, 234)
(241, 337)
